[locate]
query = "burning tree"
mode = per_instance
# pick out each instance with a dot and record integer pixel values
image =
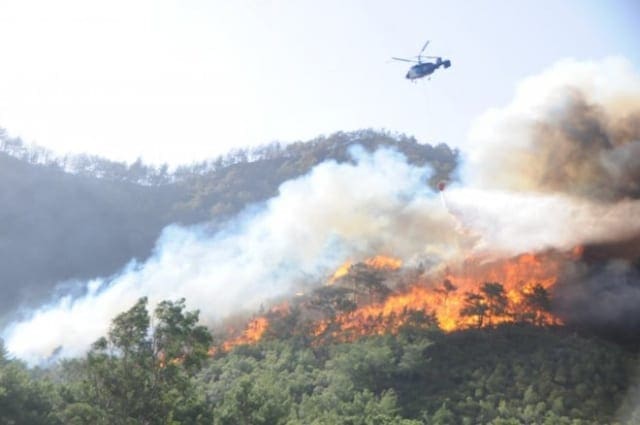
(446, 290)
(537, 304)
(474, 306)
(357, 302)
(496, 300)
(368, 280)
(332, 300)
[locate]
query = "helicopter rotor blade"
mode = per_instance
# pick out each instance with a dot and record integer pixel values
(424, 47)
(403, 60)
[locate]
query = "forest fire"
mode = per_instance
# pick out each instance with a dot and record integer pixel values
(519, 278)
(381, 295)
(475, 294)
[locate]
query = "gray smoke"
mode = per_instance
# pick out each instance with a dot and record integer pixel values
(602, 296)
(574, 129)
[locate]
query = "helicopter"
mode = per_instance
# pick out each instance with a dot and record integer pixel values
(421, 68)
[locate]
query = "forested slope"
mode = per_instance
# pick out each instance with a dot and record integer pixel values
(508, 375)
(56, 226)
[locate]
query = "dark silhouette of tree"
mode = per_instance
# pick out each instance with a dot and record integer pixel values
(332, 300)
(475, 306)
(368, 281)
(446, 290)
(538, 303)
(496, 300)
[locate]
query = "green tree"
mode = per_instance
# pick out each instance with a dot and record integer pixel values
(442, 416)
(23, 399)
(177, 336)
(140, 373)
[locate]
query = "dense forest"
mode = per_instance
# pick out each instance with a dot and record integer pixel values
(165, 373)
(89, 216)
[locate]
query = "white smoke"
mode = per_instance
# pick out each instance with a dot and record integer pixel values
(508, 223)
(560, 164)
(338, 211)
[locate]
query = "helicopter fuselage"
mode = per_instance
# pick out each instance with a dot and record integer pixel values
(422, 69)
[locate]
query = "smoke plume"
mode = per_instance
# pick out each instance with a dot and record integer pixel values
(572, 133)
(574, 129)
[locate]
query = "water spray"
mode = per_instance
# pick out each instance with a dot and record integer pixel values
(442, 184)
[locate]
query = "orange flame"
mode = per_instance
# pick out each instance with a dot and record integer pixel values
(448, 302)
(252, 334)
(380, 262)
(342, 271)
(377, 319)
(162, 363)
(253, 331)
(383, 263)
(577, 252)
(518, 277)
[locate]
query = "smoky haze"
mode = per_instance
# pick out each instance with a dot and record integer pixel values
(555, 169)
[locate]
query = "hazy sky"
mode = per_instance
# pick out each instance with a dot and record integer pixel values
(178, 81)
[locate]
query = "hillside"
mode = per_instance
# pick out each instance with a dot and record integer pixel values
(516, 339)
(508, 375)
(79, 218)
(56, 226)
